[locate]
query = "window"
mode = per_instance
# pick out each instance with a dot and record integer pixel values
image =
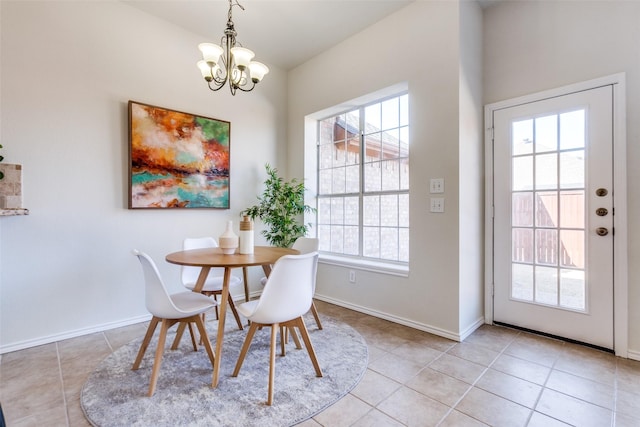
(363, 181)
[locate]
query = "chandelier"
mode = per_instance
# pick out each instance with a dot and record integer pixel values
(230, 62)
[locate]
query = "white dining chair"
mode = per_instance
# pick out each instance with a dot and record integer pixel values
(169, 309)
(305, 245)
(284, 300)
(213, 284)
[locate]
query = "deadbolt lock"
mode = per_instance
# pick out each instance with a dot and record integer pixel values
(602, 211)
(601, 192)
(602, 231)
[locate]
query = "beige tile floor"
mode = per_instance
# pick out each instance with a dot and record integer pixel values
(497, 377)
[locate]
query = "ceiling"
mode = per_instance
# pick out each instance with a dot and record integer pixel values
(282, 33)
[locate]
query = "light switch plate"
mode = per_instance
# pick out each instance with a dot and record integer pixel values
(436, 185)
(437, 204)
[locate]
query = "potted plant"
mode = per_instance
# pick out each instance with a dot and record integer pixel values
(279, 208)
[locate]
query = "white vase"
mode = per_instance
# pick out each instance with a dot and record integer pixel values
(228, 241)
(246, 235)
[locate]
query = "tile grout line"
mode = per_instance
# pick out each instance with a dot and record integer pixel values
(64, 397)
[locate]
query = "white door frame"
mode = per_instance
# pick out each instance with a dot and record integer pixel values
(620, 286)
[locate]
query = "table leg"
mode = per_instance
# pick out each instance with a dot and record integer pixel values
(245, 279)
(224, 301)
(202, 277)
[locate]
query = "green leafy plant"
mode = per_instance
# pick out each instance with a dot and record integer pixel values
(279, 208)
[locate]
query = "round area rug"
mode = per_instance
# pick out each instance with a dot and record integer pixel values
(114, 395)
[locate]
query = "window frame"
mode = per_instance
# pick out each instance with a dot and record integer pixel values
(360, 261)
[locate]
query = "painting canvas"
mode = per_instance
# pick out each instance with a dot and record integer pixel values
(177, 160)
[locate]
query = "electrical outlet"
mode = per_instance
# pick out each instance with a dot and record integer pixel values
(437, 204)
(352, 276)
(436, 185)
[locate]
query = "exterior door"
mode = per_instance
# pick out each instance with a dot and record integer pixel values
(553, 216)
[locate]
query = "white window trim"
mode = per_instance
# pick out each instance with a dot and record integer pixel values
(400, 270)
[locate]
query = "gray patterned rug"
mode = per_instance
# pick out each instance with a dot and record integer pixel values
(114, 395)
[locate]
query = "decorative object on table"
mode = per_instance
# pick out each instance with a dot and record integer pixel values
(11, 186)
(279, 207)
(228, 241)
(114, 395)
(176, 159)
(246, 235)
(228, 63)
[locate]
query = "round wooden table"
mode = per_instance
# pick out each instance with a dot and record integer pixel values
(208, 258)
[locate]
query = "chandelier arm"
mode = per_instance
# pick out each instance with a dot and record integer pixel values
(247, 90)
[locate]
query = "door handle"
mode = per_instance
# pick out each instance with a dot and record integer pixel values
(602, 231)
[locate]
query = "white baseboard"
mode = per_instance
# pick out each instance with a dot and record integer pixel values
(633, 354)
(73, 334)
(403, 321)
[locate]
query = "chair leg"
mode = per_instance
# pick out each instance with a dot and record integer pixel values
(145, 342)
(204, 337)
(158, 359)
(272, 362)
(314, 311)
(179, 332)
(235, 312)
(307, 343)
(245, 347)
(283, 338)
(294, 335)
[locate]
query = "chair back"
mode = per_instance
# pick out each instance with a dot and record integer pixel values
(157, 297)
(289, 290)
(189, 275)
(306, 244)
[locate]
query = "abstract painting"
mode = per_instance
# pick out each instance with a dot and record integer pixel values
(177, 160)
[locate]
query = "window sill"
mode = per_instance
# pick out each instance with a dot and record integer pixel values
(367, 265)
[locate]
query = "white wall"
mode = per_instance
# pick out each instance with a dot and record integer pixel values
(531, 46)
(67, 72)
(420, 45)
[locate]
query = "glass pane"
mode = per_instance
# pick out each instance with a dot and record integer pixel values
(372, 118)
(372, 177)
(404, 141)
(547, 247)
(522, 209)
(546, 285)
(546, 171)
(339, 153)
(371, 207)
(572, 130)
(403, 250)
(546, 134)
(573, 289)
(351, 211)
(338, 181)
(337, 211)
(352, 184)
(324, 211)
(572, 247)
(404, 174)
(391, 113)
(390, 175)
(572, 169)
(351, 240)
(337, 239)
(547, 209)
(353, 151)
(373, 147)
(572, 209)
(353, 121)
(326, 130)
(326, 156)
(324, 235)
(522, 282)
(324, 184)
(404, 110)
(391, 144)
(522, 173)
(371, 242)
(522, 245)
(389, 210)
(403, 210)
(389, 243)
(522, 137)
